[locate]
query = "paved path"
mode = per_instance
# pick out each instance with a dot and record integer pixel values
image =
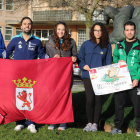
(77, 88)
(77, 84)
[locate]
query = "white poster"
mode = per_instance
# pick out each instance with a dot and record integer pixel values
(110, 79)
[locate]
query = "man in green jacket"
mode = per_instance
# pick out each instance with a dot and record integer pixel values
(128, 51)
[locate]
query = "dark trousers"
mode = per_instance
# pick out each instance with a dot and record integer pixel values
(22, 122)
(119, 106)
(91, 100)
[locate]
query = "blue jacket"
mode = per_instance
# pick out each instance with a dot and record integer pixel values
(2, 45)
(92, 55)
(24, 50)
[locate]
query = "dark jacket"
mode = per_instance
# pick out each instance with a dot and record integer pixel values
(92, 55)
(51, 51)
(2, 45)
(24, 50)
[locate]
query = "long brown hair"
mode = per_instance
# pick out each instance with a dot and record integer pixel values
(66, 38)
(104, 39)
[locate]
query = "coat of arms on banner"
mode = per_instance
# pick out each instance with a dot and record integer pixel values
(24, 94)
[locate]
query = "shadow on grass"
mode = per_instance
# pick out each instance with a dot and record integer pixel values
(79, 109)
(39, 125)
(108, 111)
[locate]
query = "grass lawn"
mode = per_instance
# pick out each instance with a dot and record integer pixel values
(7, 133)
(75, 130)
(108, 110)
(80, 85)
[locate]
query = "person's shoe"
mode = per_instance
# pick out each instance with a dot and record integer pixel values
(52, 126)
(88, 127)
(115, 131)
(62, 126)
(19, 127)
(138, 133)
(94, 127)
(32, 129)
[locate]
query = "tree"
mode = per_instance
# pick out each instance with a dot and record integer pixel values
(88, 7)
(84, 7)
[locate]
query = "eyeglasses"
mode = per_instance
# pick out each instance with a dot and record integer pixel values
(96, 31)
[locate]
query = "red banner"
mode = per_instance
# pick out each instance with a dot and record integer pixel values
(39, 90)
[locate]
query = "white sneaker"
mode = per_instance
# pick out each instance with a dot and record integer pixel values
(32, 129)
(62, 126)
(88, 127)
(94, 127)
(52, 126)
(18, 127)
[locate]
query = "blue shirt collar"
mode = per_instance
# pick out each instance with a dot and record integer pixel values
(22, 36)
(61, 41)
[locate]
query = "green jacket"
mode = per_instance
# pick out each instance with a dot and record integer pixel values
(132, 59)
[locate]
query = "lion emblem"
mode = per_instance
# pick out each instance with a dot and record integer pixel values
(23, 97)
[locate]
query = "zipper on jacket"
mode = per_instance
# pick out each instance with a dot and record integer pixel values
(93, 53)
(26, 49)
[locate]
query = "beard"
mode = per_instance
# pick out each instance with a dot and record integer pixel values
(130, 38)
(28, 33)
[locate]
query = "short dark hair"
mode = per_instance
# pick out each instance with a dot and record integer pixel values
(131, 23)
(26, 18)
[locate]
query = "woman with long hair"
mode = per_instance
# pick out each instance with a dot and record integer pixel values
(93, 53)
(60, 44)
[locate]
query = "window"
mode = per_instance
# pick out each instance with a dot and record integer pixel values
(1, 4)
(97, 15)
(18, 31)
(42, 34)
(8, 33)
(53, 15)
(9, 6)
(1, 28)
(70, 31)
(81, 38)
(38, 33)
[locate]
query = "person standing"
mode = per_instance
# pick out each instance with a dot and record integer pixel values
(128, 51)
(60, 44)
(2, 45)
(93, 53)
(25, 47)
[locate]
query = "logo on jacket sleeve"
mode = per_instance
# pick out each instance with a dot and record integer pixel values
(24, 94)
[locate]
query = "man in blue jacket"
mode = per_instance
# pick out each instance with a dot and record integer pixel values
(2, 45)
(25, 46)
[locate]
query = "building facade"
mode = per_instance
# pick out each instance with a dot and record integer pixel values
(44, 18)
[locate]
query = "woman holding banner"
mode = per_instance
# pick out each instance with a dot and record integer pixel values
(61, 45)
(95, 52)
